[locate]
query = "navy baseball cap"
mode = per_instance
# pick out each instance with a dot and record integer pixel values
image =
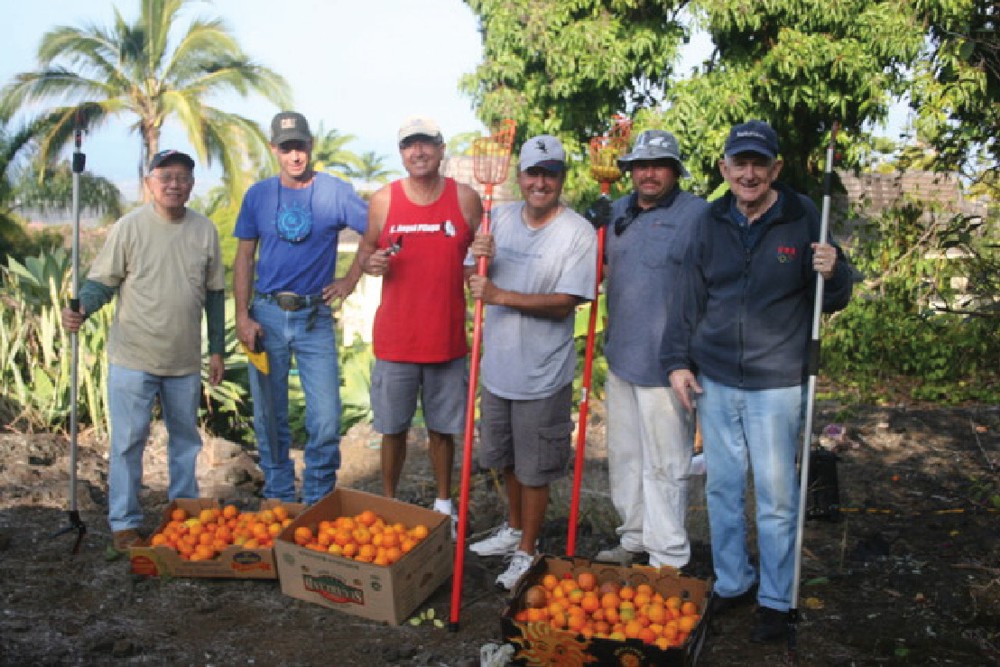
(170, 156)
(753, 136)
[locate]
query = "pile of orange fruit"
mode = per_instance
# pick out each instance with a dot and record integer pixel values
(609, 610)
(365, 537)
(213, 530)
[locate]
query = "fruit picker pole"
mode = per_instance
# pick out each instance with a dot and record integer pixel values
(813, 367)
(491, 161)
(604, 153)
(79, 161)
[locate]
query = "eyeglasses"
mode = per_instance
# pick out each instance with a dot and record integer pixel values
(179, 179)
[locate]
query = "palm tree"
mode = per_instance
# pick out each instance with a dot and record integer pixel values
(371, 169)
(130, 70)
(330, 155)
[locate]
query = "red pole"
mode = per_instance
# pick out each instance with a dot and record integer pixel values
(470, 426)
(492, 158)
(588, 367)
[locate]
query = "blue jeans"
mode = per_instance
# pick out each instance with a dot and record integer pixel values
(130, 403)
(308, 334)
(760, 427)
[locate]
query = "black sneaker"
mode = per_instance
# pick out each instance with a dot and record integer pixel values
(772, 625)
(720, 604)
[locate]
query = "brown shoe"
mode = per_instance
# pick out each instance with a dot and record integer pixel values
(123, 540)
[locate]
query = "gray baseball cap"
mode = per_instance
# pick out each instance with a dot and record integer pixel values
(543, 151)
(654, 145)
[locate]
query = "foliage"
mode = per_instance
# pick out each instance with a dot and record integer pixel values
(956, 89)
(356, 361)
(329, 154)
(147, 71)
(895, 327)
(564, 68)
(52, 190)
(36, 370)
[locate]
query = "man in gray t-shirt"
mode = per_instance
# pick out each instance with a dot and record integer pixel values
(543, 264)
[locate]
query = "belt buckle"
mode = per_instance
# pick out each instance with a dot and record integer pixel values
(289, 301)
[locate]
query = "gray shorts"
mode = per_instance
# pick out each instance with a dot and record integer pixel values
(442, 388)
(532, 436)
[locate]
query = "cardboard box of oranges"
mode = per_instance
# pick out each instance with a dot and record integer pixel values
(594, 613)
(365, 555)
(199, 537)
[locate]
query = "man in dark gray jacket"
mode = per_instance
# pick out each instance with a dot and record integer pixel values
(649, 433)
(738, 342)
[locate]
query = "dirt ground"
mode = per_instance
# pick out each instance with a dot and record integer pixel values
(909, 575)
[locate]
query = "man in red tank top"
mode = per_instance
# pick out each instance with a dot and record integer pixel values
(419, 229)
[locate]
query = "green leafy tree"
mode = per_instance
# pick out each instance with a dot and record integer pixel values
(956, 91)
(147, 72)
(565, 68)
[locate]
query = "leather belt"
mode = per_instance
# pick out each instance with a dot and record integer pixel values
(290, 301)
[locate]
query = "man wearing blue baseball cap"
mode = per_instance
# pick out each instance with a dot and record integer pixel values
(162, 262)
(737, 346)
(543, 264)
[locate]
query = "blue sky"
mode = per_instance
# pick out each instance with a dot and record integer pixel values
(358, 67)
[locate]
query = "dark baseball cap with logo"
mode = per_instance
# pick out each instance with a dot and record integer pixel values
(753, 136)
(170, 156)
(289, 126)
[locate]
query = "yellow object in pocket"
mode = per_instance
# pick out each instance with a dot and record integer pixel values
(258, 359)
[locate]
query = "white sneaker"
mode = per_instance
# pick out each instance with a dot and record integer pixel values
(446, 507)
(503, 543)
(619, 555)
(519, 564)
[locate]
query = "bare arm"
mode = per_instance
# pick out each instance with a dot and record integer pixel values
(370, 258)
(552, 306)
(247, 329)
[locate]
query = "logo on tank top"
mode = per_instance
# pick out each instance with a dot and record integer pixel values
(447, 228)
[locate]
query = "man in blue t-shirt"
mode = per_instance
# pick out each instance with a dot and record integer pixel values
(291, 223)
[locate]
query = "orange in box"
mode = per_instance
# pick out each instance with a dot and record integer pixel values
(377, 592)
(234, 562)
(539, 643)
